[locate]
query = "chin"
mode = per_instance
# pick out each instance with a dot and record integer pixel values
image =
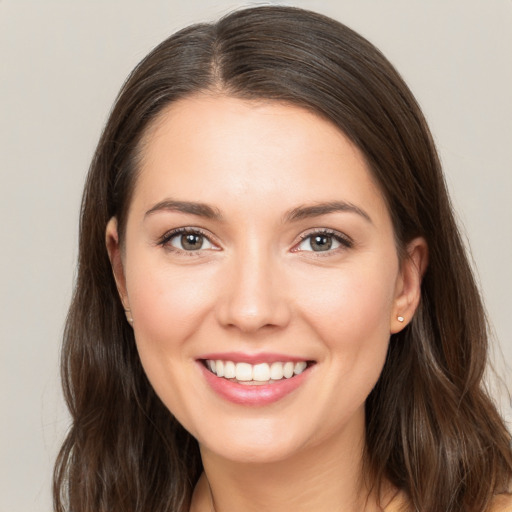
(263, 443)
(242, 452)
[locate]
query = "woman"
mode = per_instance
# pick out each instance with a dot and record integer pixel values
(274, 310)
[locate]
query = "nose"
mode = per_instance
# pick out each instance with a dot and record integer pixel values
(254, 293)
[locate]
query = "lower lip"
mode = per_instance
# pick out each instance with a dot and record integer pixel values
(252, 395)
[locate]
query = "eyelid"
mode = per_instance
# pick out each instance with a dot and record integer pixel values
(345, 241)
(168, 235)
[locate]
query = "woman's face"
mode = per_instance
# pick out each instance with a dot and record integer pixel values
(258, 246)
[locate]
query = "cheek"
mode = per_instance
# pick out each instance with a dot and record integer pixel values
(351, 307)
(168, 306)
(168, 303)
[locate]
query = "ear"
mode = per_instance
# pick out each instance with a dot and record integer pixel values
(114, 254)
(408, 286)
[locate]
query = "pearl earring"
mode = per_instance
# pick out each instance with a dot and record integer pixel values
(400, 318)
(129, 316)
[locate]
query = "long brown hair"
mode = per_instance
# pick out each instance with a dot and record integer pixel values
(431, 428)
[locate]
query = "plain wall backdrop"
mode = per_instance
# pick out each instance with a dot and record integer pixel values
(61, 65)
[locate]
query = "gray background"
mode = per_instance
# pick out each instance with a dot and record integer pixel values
(61, 65)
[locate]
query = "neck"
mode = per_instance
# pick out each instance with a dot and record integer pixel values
(323, 478)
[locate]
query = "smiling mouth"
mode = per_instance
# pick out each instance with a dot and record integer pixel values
(256, 374)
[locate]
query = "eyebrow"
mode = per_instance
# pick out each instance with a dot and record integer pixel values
(299, 213)
(316, 210)
(193, 208)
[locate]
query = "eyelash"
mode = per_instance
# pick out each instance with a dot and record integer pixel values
(344, 241)
(167, 237)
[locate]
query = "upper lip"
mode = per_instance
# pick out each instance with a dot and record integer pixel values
(262, 357)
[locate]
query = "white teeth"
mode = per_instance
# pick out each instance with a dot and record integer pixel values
(288, 369)
(276, 371)
(243, 371)
(229, 370)
(300, 367)
(262, 372)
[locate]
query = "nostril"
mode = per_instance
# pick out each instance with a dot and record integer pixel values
(251, 299)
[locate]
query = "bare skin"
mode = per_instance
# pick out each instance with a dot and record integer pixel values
(257, 231)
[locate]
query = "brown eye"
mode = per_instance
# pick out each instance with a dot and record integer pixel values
(319, 242)
(323, 241)
(190, 241)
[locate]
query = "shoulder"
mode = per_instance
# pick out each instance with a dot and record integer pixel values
(500, 503)
(399, 503)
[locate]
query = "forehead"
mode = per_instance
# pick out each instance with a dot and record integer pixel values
(217, 148)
